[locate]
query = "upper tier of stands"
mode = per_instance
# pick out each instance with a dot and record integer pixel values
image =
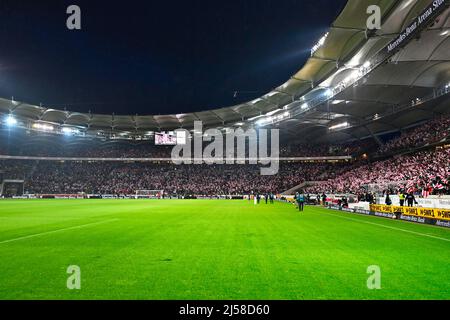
(18, 143)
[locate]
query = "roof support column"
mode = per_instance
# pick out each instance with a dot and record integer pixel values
(377, 140)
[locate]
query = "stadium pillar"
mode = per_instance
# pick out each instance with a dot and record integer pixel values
(378, 141)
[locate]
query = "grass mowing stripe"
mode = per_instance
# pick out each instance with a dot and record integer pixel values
(388, 227)
(58, 230)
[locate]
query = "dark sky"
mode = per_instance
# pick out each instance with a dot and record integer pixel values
(155, 57)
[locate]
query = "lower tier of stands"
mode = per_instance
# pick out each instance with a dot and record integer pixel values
(425, 171)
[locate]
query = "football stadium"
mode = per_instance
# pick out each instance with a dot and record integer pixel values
(332, 185)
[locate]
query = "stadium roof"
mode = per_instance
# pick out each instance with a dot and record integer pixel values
(297, 107)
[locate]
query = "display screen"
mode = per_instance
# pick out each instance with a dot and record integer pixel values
(165, 138)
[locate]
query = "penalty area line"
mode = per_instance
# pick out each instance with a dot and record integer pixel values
(58, 230)
(389, 227)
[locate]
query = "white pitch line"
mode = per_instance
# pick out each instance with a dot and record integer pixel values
(58, 230)
(388, 227)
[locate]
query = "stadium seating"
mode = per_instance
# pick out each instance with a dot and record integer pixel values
(49, 177)
(414, 172)
(430, 132)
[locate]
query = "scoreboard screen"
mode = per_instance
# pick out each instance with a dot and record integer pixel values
(165, 138)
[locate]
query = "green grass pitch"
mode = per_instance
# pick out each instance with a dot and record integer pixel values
(213, 249)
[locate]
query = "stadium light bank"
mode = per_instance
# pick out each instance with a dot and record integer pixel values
(43, 127)
(10, 121)
(319, 43)
(70, 131)
(339, 126)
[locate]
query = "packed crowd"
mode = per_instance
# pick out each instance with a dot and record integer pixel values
(49, 177)
(429, 132)
(89, 149)
(424, 171)
(53, 146)
(147, 150)
(320, 150)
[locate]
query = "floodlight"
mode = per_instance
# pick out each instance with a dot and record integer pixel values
(339, 126)
(10, 121)
(69, 131)
(329, 93)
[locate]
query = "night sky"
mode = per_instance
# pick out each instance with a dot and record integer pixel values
(155, 57)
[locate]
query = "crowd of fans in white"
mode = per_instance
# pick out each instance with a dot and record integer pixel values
(426, 170)
(430, 132)
(421, 170)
